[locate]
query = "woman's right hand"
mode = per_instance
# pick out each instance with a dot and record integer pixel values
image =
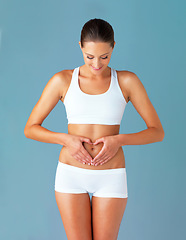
(76, 149)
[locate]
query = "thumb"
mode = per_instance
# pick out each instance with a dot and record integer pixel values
(87, 140)
(98, 141)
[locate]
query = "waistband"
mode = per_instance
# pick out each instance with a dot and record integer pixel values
(91, 171)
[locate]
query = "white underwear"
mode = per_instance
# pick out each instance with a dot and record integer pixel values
(111, 183)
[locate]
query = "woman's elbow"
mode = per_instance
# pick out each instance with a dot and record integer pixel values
(162, 134)
(26, 132)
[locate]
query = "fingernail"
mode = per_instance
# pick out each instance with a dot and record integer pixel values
(88, 163)
(83, 163)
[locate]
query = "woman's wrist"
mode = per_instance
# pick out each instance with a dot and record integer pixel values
(63, 139)
(119, 139)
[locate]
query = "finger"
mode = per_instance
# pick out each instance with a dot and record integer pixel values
(84, 158)
(98, 141)
(87, 140)
(99, 157)
(106, 159)
(86, 154)
(103, 162)
(103, 159)
(99, 160)
(81, 158)
(78, 158)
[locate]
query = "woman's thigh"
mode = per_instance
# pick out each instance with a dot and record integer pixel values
(107, 214)
(109, 203)
(75, 211)
(109, 188)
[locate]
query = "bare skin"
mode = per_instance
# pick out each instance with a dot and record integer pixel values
(102, 220)
(93, 132)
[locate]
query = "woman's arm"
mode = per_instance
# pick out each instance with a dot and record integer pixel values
(48, 100)
(149, 135)
(140, 100)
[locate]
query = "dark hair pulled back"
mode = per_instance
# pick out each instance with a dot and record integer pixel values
(97, 30)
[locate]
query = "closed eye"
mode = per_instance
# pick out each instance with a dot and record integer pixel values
(105, 57)
(101, 58)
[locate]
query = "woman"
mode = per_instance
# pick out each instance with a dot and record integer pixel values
(92, 158)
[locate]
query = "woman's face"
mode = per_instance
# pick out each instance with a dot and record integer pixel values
(96, 55)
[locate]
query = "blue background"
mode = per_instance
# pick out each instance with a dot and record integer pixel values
(40, 38)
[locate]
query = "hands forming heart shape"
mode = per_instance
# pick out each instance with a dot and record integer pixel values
(95, 143)
(109, 149)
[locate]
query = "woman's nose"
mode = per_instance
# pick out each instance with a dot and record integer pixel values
(97, 64)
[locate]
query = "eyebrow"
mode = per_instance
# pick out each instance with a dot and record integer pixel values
(93, 55)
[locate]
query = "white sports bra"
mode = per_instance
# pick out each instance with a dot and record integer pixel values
(106, 108)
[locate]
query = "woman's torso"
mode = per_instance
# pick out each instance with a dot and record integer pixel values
(93, 131)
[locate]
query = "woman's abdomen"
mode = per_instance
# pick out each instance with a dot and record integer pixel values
(93, 132)
(118, 161)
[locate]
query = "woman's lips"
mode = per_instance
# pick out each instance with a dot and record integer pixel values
(96, 68)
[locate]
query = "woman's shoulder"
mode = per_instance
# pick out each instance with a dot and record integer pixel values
(124, 74)
(128, 80)
(64, 78)
(64, 75)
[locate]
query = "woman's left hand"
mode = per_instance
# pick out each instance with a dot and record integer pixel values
(109, 149)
